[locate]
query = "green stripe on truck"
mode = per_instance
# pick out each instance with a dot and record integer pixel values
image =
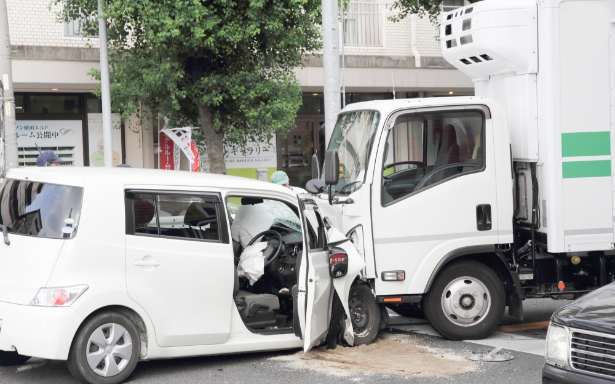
(595, 168)
(586, 144)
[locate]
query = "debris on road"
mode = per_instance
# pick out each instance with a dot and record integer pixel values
(493, 356)
(388, 354)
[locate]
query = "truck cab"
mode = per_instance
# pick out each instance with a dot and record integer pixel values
(462, 207)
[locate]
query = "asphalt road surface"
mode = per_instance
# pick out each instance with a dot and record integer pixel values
(523, 340)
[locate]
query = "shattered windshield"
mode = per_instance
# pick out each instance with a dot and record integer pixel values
(353, 138)
(283, 215)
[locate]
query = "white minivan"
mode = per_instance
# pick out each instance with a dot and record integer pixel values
(104, 267)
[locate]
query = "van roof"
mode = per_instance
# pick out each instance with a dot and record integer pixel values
(79, 176)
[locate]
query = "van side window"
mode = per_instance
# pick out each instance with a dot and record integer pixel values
(426, 149)
(187, 217)
(172, 215)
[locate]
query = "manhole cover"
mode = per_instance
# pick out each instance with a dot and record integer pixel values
(494, 356)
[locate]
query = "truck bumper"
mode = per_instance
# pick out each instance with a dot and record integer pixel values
(44, 332)
(562, 376)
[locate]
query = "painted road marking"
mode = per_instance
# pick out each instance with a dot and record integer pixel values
(523, 327)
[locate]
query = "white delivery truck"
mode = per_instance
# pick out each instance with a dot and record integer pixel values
(464, 206)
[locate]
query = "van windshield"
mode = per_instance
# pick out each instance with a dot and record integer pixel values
(353, 137)
(39, 209)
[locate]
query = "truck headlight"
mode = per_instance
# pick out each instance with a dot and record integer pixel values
(58, 297)
(557, 346)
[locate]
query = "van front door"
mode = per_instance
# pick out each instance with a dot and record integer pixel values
(434, 192)
(179, 265)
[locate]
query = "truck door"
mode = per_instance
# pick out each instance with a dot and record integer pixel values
(434, 192)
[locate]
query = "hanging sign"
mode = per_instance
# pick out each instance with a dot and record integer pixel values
(182, 137)
(167, 152)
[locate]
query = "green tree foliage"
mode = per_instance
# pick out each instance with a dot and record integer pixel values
(223, 65)
(430, 8)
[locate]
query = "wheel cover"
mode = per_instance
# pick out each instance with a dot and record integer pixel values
(109, 350)
(466, 301)
(358, 315)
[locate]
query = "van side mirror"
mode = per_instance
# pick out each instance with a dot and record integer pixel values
(332, 167)
(315, 167)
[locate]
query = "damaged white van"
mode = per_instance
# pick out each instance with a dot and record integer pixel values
(106, 267)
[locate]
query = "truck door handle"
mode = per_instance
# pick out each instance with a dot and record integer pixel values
(483, 217)
(146, 263)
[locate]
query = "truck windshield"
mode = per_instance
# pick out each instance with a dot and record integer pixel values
(353, 138)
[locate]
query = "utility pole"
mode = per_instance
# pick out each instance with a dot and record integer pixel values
(105, 87)
(331, 64)
(8, 141)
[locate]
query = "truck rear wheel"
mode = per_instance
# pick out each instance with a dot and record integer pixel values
(466, 302)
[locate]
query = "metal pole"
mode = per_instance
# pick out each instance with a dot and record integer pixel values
(8, 105)
(105, 88)
(331, 65)
(343, 58)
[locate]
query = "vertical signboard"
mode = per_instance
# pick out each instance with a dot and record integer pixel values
(95, 139)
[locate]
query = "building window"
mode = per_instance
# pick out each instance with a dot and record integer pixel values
(77, 28)
(363, 24)
(55, 104)
(450, 5)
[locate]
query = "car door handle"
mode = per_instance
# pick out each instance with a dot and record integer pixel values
(146, 263)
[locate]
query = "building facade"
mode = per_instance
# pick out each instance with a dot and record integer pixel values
(56, 109)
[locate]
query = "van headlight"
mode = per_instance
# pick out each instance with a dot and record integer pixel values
(557, 346)
(58, 297)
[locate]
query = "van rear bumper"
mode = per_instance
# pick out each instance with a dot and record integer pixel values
(44, 332)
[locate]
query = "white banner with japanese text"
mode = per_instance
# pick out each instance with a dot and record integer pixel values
(64, 137)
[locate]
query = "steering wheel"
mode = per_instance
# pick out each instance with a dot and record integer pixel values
(273, 250)
(417, 163)
(422, 183)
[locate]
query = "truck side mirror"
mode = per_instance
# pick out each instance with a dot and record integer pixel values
(332, 167)
(315, 167)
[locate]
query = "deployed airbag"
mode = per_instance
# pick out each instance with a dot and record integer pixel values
(250, 220)
(252, 262)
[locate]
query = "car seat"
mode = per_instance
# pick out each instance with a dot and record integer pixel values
(256, 310)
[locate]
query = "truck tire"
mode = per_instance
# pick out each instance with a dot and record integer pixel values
(364, 314)
(9, 358)
(466, 302)
(105, 350)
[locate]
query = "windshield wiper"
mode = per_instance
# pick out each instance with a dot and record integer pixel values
(347, 186)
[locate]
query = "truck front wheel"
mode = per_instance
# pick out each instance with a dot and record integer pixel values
(466, 302)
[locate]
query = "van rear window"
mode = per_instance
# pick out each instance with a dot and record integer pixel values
(40, 209)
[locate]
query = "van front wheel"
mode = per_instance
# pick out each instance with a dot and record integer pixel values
(105, 350)
(364, 314)
(466, 302)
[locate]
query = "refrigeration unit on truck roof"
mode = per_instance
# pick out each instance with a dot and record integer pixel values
(549, 64)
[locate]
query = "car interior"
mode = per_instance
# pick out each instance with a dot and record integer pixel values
(267, 305)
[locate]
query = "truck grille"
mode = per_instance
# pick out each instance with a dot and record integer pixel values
(593, 352)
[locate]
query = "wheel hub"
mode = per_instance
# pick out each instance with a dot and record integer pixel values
(357, 311)
(466, 301)
(108, 350)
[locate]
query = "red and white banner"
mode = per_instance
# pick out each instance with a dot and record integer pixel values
(174, 142)
(167, 152)
(195, 154)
